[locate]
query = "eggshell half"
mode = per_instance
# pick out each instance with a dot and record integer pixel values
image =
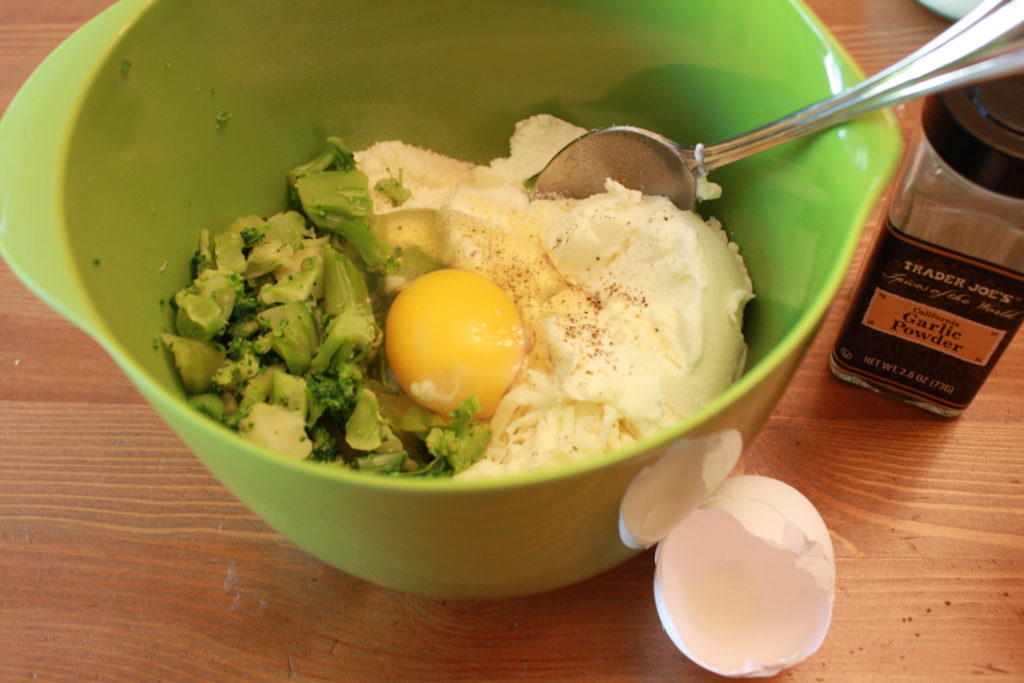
(673, 486)
(744, 585)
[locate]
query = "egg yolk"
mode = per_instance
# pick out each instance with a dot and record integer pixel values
(451, 334)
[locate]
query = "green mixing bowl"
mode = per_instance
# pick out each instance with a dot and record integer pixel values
(162, 117)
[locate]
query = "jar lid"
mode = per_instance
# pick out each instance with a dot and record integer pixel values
(979, 132)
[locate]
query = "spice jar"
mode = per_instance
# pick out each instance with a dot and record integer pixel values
(941, 293)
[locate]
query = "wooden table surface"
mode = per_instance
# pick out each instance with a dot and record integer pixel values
(122, 558)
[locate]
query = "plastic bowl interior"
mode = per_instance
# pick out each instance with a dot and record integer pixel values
(164, 117)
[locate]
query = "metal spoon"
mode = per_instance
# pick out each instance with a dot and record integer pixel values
(982, 46)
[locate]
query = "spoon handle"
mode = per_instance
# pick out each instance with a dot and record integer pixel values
(981, 46)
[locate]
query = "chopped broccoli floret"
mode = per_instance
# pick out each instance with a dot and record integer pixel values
(257, 390)
(243, 361)
(462, 442)
(243, 329)
(325, 449)
(254, 235)
(338, 202)
(278, 428)
(244, 222)
(205, 306)
(228, 249)
(199, 317)
(364, 430)
(291, 392)
(336, 197)
(202, 259)
(344, 284)
(337, 155)
(382, 463)
(234, 371)
(196, 360)
(335, 396)
(393, 189)
(295, 287)
(350, 336)
(416, 234)
(288, 228)
(247, 305)
(266, 257)
(200, 263)
(210, 405)
(293, 334)
(419, 420)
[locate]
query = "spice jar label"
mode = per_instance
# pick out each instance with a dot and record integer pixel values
(929, 322)
(932, 328)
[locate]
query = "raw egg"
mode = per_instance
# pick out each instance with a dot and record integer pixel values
(451, 334)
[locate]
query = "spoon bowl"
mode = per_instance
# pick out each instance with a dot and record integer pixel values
(637, 158)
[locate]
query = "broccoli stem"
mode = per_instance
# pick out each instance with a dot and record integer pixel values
(344, 284)
(336, 197)
(337, 155)
(363, 431)
(338, 202)
(196, 360)
(293, 334)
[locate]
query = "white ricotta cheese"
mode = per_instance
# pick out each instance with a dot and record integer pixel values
(633, 308)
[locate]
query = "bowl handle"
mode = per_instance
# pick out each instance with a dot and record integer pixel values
(34, 134)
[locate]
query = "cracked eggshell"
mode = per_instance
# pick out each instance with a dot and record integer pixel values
(745, 584)
(668, 490)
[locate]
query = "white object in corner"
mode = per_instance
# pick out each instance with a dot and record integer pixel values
(951, 9)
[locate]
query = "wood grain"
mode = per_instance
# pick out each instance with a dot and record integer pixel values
(122, 558)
